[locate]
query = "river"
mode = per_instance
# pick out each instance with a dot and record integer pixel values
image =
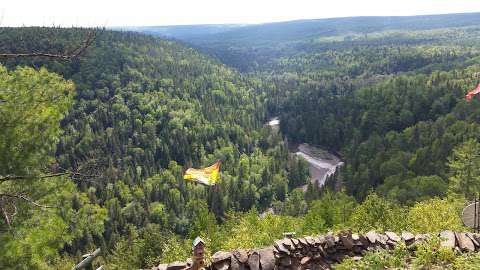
(322, 163)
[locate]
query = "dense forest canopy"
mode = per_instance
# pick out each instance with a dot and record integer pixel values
(93, 149)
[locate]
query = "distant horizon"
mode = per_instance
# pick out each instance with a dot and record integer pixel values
(123, 13)
(294, 20)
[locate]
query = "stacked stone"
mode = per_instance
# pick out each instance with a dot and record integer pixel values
(320, 252)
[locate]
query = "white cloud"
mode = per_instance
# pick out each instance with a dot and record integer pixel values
(162, 12)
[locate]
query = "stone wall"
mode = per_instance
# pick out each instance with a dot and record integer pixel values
(320, 252)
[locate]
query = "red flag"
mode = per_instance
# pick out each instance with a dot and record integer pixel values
(472, 93)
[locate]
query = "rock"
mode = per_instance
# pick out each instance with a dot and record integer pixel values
(310, 240)
(287, 242)
(474, 240)
(321, 240)
(176, 266)
(221, 256)
(162, 266)
(303, 241)
(267, 260)
(295, 242)
(329, 241)
(407, 237)
(235, 264)
(346, 240)
(464, 242)
(241, 255)
(392, 236)
(295, 265)
(305, 260)
(281, 248)
(421, 237)
(355, 237)
(337, 239)
(222, 265)
(286, 261)
(254, 261)
(372, 237)
(448, 239)
(364, 240)
(382, 239)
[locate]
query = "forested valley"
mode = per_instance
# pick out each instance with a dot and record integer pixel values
(93, 149)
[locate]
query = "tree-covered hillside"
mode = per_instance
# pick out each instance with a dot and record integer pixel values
(93, 149)
(251, 47)
(144, 109)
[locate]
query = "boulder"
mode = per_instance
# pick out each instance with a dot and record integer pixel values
(355, 237)
(320, 240)
(464, 242)
(421, 237)
(474, 240)
(295, 242)
(363, 240)
(287, 242)
(310, 240)
(222, 265)
(285, 261)
(221, 256)
(176, 266)
(372, 237)
(254, 261)
(346, 240)
(305, 260)
(407, 237)
(392, 236)
(281, 248)
(448, 239)
(382, 239)
(303, 241)
(241, 255)
(162, 266)
(235, 264)
(267, 260)
(329, 241)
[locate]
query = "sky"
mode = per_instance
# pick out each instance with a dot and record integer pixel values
(108, 13)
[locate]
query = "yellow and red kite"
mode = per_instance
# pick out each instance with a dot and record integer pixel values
(472, 93)
(207, 176)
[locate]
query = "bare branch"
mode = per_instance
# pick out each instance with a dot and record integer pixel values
(5, 214)
(24, 177)
(66, 56)
(25, 198)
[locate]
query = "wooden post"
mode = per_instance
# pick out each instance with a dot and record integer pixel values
(86, 263)
(198, 254)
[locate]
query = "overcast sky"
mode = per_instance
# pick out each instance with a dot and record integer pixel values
(172, 12)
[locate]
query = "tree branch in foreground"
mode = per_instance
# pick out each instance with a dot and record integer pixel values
(66, 56)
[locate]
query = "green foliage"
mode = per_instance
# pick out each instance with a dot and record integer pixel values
(427, 255)
(435, 215)
(32, 105)
(147, 249)
(377, 260)
(430, 253)
(376, 213)
(250, 230)
(464, 164)
(332, 210)
(391, 103)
